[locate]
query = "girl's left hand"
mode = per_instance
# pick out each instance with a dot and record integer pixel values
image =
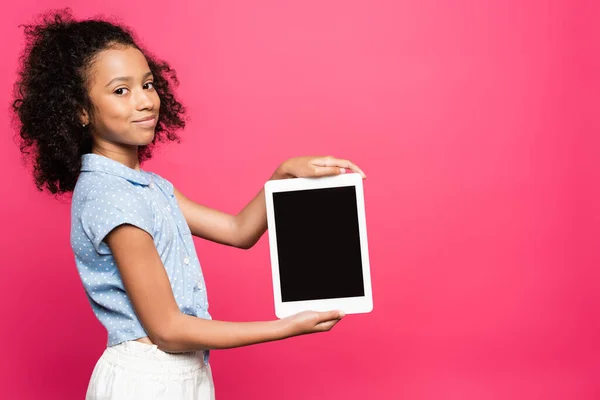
(311, 167)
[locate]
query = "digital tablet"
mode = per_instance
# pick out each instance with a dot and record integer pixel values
(318, 244)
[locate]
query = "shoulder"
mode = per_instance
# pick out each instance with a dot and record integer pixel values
(97, 195)
(92, 186)
(163, 183)
(101, 202)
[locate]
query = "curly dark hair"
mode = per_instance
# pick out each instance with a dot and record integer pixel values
(51, 93)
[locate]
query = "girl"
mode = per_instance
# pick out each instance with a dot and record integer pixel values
(91, 104)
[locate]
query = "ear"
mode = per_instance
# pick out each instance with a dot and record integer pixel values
(84, 117)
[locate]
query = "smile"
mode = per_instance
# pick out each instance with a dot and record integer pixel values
(146, 122)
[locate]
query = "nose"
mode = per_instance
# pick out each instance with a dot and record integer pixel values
(144, 100)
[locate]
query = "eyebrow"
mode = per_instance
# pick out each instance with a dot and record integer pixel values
(127, 78)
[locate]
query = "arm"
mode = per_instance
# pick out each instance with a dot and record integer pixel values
(149, 290)
(246, 228)
(242, 230)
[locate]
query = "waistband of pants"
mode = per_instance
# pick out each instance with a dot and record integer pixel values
(143, 357)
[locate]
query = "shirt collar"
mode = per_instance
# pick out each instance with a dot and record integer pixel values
(94, 162)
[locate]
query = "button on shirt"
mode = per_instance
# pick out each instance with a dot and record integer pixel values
(109, 194)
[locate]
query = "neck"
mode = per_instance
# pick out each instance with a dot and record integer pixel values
(127, 156)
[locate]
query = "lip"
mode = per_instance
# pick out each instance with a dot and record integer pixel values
(148, 122)
(146, 119)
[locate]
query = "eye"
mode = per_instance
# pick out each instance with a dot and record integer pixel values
(120, 91)
(149, 85)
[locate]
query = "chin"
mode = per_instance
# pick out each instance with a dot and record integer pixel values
(147, 139)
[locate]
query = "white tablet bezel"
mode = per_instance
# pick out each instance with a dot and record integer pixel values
(352, 305)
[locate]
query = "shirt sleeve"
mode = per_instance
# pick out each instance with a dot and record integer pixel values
(106, 211)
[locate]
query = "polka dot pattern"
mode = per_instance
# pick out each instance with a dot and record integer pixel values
(109, 194)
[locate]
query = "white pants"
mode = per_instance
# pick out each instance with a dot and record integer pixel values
(134, 370)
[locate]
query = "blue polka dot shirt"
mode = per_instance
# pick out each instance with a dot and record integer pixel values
(109, 194)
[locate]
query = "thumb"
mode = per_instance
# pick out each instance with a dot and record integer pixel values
(325, 171)
(330, 315)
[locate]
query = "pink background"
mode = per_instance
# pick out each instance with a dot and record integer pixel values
(476, 123)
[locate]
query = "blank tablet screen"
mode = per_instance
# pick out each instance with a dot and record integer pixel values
(318, 244)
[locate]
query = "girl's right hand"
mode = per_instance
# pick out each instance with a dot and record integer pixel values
(310, 322)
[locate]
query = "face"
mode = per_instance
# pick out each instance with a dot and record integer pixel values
(126, 105)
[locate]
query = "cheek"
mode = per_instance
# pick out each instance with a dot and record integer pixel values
(109, 110)
(156, 100)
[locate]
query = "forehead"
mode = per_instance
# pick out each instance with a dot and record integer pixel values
(117, 62)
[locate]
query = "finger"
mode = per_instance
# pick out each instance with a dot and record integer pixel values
(356, 169)
(326, 326)
(328, 161)
(326, 171)
(340, 163)
(326, 316)
(353, 167)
